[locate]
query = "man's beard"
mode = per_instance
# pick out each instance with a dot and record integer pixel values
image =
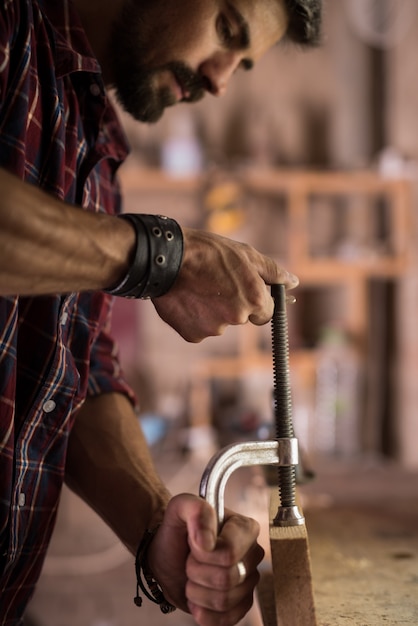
(134, 82)
(145, 102)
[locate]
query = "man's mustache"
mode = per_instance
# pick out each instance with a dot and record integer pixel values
(190, 82)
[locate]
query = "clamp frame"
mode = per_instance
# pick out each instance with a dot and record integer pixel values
(281, 452)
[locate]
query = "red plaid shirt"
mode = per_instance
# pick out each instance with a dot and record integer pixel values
(58, 132)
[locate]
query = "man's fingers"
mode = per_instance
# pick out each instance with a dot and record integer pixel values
(237, 541)
(214, 575)
(288, 279)
(239, 534)
(264, 311)
(199, 518)
(273, 274)
(221, 600)
(225, 577)
(213, 616)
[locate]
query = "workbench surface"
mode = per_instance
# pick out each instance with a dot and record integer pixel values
(362, 522)
(362, 525)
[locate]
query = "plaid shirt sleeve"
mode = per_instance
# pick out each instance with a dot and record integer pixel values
(105, 373)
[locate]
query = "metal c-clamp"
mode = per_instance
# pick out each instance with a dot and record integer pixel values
(283, 452)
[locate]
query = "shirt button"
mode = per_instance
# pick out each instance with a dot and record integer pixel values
(22, 499)
(64, 318)
(49, 406)
(95, 90)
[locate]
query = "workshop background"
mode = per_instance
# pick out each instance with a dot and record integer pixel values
(313, 159)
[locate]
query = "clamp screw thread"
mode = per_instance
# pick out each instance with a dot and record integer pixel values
(282, 397)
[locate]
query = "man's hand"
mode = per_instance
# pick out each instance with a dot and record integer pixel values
(221, 283)
(197, 570)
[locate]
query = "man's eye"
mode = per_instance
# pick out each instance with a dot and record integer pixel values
(225, 30)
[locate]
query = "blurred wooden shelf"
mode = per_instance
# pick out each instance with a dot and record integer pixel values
(298, 187)
(295, 190)
(146, 179)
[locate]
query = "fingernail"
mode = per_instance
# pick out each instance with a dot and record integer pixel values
(293, 280)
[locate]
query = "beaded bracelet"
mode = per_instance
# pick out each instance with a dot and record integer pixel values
(157, 260)
(155, 593)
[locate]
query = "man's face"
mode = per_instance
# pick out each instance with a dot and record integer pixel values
(169, 51)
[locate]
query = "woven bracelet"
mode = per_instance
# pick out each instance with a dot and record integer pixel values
(143, 575)
(157, 260)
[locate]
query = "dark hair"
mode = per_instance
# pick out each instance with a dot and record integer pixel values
(305, 18)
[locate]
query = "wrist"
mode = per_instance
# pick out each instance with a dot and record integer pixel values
(157, 258)
(145, 577)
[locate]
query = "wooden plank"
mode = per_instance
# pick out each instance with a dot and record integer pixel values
(266, 598)
(292, 577)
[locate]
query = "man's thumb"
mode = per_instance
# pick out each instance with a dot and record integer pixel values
(200, 519)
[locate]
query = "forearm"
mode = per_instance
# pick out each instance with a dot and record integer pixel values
(47, 246)
(110, 467)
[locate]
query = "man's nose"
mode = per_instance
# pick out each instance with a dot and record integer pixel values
(218, 70)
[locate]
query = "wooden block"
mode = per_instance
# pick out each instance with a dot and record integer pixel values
(292, 576)
(266, 598)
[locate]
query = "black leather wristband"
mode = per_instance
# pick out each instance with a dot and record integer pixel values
(157, 260)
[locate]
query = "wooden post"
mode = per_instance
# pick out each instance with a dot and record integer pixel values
(289, 586)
